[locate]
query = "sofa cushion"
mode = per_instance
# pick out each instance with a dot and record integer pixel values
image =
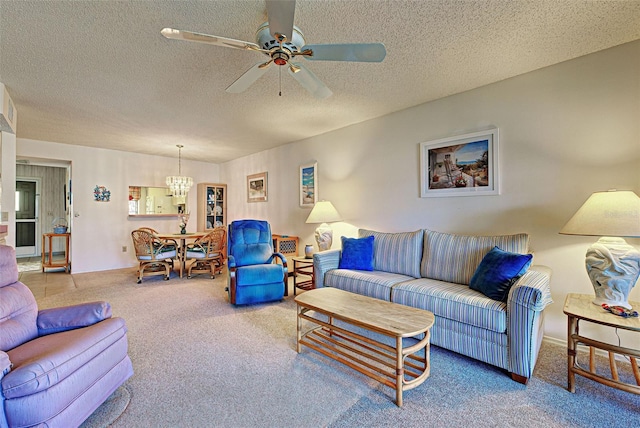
(357, 253)
(8, 266)
(18, 313)
(373, 284)
(453, 301)
(396, 252)
(455, 258)
(498, 271)
(163, 255)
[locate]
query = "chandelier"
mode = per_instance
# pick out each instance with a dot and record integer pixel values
(178, 184)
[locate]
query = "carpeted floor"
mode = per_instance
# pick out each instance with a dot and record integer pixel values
(199, 361)
(110, 410)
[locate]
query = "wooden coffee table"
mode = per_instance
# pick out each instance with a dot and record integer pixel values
(398, 366)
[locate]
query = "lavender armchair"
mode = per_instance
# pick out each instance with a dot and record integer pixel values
(56, 365)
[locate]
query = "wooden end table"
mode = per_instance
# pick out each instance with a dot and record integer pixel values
(399, 367)
(302, 266)
(47, 252)
(579, 307)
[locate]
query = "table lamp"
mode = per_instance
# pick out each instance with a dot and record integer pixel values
(323, 212)
(612, 265)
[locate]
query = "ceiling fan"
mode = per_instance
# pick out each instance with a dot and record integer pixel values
(283, 43)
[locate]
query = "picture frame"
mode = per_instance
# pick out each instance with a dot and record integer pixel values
(257, 187)
(461, 165)
(308, 184)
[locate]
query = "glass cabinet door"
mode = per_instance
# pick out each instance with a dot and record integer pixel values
(211, 206)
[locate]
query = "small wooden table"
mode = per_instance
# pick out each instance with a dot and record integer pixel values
(579, 307)
(182, 256)
(47, 255)
(302, 266)
(389, 365)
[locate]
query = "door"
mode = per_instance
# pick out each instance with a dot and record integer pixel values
(27, 222)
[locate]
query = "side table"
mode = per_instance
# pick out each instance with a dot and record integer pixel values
(47, 252)
(302, 266)
(578, 307)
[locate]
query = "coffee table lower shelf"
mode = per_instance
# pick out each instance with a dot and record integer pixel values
(399, 367)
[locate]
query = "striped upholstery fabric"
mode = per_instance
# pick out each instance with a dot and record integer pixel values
(532, 290)
(483, 345)
(527, 299)
(453, 301)
(455, 258)
(323, 262)
(396, 252)
(367, 283)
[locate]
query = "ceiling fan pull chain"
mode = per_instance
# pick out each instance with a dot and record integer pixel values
(280, 78)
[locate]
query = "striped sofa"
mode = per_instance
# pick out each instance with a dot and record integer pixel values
(432, 270)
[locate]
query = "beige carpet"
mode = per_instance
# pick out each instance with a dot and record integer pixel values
(199, 361)
(110, 410)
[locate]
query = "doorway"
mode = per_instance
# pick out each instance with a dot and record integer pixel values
(27, 217)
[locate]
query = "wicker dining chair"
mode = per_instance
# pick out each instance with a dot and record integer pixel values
(154, 255)
(207, 253)
(170, 241)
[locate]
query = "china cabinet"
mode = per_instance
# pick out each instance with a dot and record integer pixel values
(212, 206)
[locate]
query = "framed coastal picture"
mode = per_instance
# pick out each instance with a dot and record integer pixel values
(309, 184)
(257, 187)
(463, 165)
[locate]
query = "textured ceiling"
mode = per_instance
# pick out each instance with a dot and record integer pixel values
(99, 73)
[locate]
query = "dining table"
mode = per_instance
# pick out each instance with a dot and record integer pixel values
(183, 237)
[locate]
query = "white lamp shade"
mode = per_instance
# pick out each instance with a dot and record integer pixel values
(611, 213)
(323, 212)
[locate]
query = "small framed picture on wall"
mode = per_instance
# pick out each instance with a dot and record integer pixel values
(257, 187)
(309, 184)
(464, 165)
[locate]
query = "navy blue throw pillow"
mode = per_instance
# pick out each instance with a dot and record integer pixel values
(498, 271)
(357, 253)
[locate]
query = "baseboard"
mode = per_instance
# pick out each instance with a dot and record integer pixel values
(554, 341)
(582, 348)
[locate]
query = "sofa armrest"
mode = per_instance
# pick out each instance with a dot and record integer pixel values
(55, 320)
(322, 263)
(525, 320)
(283, 260)
(5, 364)
(532, 290)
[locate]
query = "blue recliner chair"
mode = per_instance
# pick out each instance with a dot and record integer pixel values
(253, 275)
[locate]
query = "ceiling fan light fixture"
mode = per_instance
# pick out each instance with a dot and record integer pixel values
(280, 58)
(179, 184)
(280, 40)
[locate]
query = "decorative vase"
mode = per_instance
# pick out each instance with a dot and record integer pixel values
(613, 267)
(308, 251)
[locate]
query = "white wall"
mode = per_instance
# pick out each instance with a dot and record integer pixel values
(565, 132)
(100, 229)
(8, 183)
